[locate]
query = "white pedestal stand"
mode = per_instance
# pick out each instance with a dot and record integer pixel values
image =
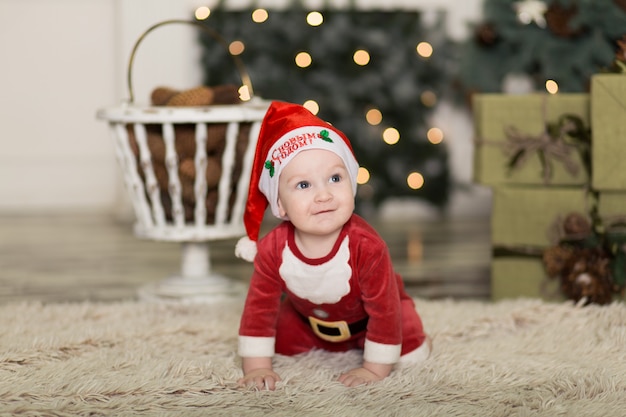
(196, 283)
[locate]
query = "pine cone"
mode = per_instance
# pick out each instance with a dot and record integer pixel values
(213, 171)
(576, 226)
(187, 170)
(226, 94)
(185, 143)
(199, 96)
(162, 177)
(559, 18)
(555, 258)
(156, 144)
(161, 95)
(486, 35)
(216, 138)
(587, 275)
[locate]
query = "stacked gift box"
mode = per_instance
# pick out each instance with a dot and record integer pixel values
(559, 195)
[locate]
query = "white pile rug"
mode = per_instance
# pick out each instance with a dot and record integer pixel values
(512, 358)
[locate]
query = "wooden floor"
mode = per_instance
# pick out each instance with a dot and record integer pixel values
(96, 257)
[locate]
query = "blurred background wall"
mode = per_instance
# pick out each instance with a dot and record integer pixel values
(63, 60)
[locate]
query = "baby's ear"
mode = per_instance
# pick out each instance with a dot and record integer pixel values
(281, 210)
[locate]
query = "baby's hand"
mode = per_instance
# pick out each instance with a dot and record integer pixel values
(359, 376)
(262, 378)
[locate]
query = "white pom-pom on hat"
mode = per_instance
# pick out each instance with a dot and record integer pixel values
(245, 249)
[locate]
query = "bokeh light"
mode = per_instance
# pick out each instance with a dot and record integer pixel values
(363, 176)
(244, 93)
(552, 87)
(391, 136)
(428, 98)
(434, 135)
(259, 15)
(202, 13)
(361, 57)
(312, 106)
(415, 180)
(424, 49)
(314, 18)
(236, 48)
(303, 59)
(374, 117)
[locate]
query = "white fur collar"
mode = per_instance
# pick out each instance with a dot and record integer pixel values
(326, 283)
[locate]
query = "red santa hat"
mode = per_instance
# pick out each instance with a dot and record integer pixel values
(287, 129)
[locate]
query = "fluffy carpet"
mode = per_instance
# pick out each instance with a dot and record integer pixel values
(512, 358)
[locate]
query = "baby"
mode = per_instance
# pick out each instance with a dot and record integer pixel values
(323, 278)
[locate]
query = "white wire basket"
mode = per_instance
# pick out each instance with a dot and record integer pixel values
(171, 198)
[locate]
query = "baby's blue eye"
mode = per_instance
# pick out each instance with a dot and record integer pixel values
(303, 185)
(335, 178)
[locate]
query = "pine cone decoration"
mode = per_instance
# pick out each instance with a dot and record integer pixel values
(558, 19)
(185, 148)
(161, 95)
(486, 35)
(555, 258)
(587, 275)
(226, 94)
(576, 226)
(199, 96)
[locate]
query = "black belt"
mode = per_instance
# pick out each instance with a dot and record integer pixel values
(335, 331)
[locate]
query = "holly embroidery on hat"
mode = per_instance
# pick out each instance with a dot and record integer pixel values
(325, 136)
(270, 166)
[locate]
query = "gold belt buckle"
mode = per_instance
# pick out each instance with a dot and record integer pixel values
(342, 326)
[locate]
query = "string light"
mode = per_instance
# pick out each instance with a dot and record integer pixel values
(424, 49)
(362, 176)
(236, 48)
(434, 135)
(552, 87)
(202, 13)
(391, 136)
(361, 57)
(303, 59)
(374, 117)
(415, 180)
(259, 15)
(244, 93)
(314, 18)
(312, 106)
(428, 98)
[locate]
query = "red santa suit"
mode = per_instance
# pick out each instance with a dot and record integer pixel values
(349, 299)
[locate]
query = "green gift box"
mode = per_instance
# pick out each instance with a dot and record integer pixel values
(612, 206)
(525, 220)
(517, 277)
(520, 139)
(608, 115)
(530, 216)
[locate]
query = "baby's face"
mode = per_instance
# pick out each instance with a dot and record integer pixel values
(315, 192)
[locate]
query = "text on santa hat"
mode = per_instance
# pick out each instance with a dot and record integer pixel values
(291, 145)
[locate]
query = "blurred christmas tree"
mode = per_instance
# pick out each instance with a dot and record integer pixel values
(562, 40)
(364, 72)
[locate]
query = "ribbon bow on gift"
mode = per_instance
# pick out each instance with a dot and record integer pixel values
(550, 145)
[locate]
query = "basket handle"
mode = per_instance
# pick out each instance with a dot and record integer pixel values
(243, 74)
